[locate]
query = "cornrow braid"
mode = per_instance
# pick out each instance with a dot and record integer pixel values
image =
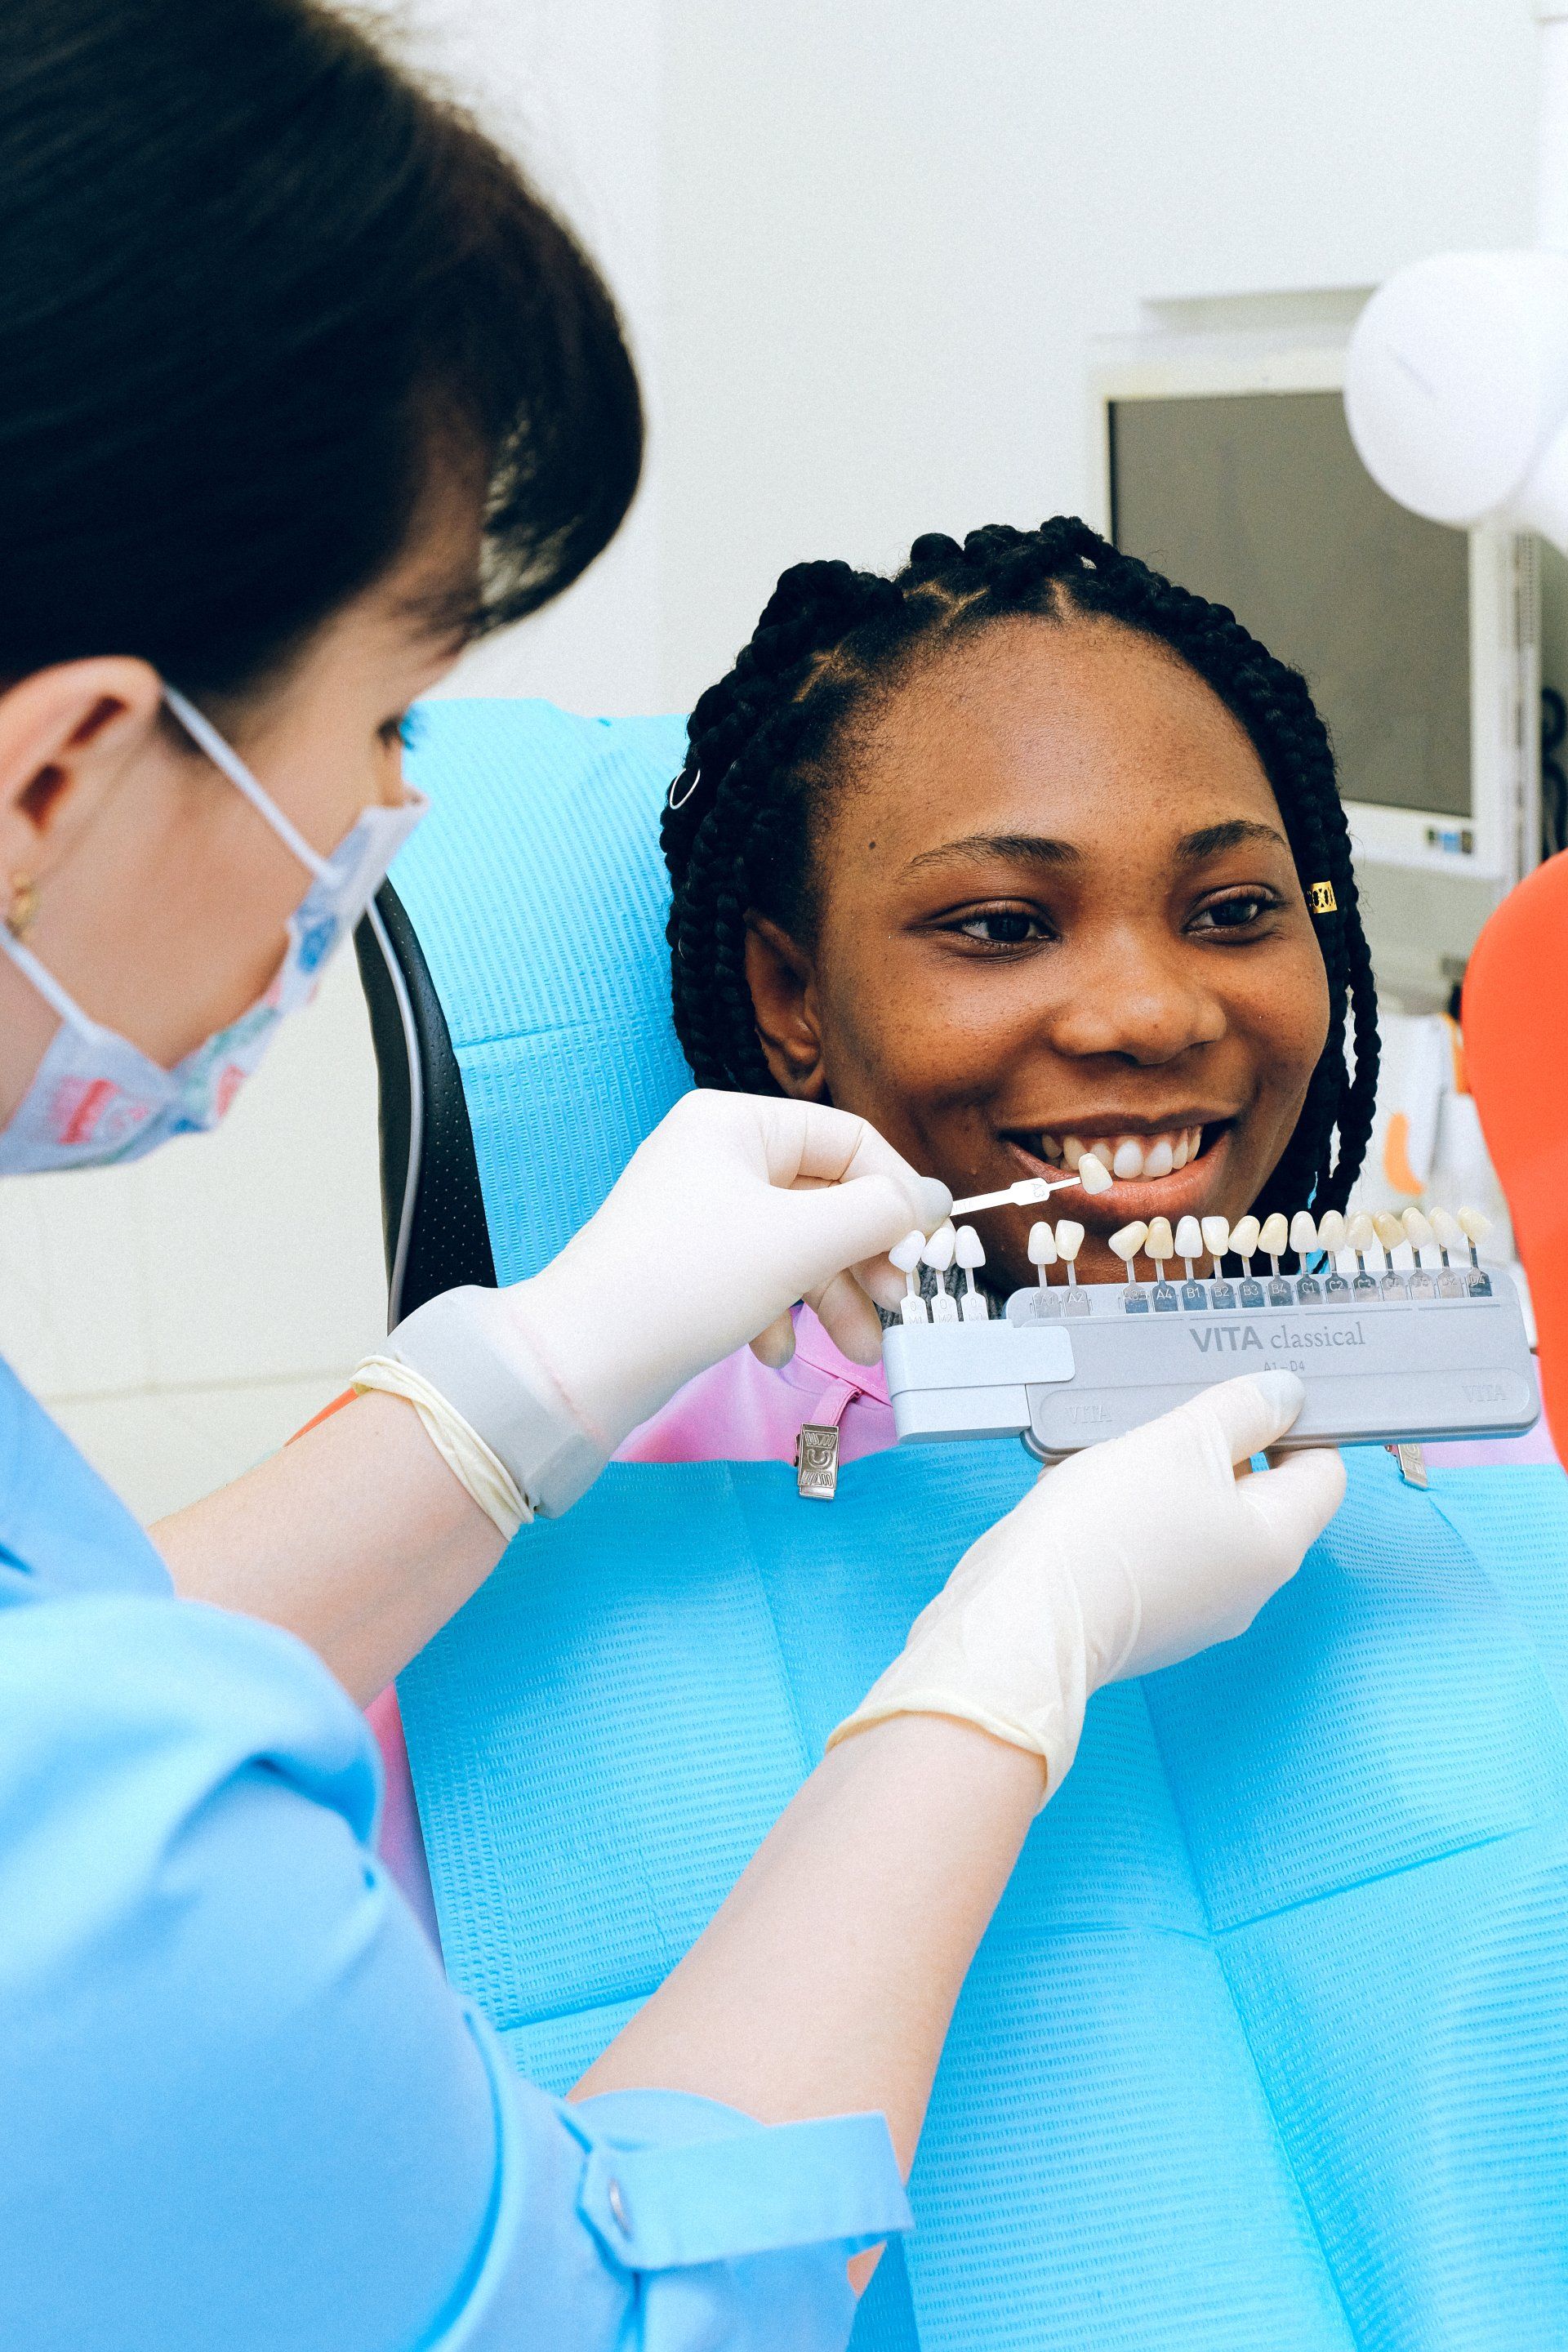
(737, 831)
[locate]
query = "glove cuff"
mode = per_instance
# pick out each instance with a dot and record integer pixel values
(466, 1345)
(1002, 1646)
(1055, 1743)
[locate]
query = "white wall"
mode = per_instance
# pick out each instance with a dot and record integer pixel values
(861, 251)
(891, 230)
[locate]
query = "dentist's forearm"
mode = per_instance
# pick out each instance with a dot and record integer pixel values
(357, 1538)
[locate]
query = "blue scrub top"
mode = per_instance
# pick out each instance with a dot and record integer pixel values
(240, 2104)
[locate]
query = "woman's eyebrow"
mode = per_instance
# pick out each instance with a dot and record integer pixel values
(1035, 848)
(1211, 840)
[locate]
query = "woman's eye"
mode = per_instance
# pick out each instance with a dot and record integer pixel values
(1235, 914)
(404, 731)
(1005, 927)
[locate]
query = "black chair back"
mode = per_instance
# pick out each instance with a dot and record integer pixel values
(432, 1210)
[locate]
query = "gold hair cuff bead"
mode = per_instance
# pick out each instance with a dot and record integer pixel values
(1323, 899)
(24, 905)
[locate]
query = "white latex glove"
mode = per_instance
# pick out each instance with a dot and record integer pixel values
(735, 1207)
(1132, 1556)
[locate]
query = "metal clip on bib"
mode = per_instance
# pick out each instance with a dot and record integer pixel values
(816, 1460)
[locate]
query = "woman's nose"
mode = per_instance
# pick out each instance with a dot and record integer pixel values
(1138, 1000)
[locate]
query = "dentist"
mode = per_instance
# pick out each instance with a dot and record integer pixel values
(300, 387)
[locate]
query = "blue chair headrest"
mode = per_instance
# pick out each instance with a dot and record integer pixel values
(539, 894)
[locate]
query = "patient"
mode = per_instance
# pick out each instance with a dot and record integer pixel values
(1015, 854)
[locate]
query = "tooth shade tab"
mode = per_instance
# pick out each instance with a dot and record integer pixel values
(1331, 1233)
(1128, 1241)
(1244, 1237)
(1387, 1228)
(968, 1249)
(938, 1250)
(1361, 1233)
(1159, 1243)
(1042, 1244)
(1303, 1234)
(1474, 1226)
(1418, 1231)
(1093, 1175)
(1217, 1235)
(1070, 1240)
(1274, 1234)
(1189, 1239)
(906, 1255)
(1447, 1229)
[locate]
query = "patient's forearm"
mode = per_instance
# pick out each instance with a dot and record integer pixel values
(826, 1982)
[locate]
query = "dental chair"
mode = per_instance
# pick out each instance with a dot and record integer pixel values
(1266, 2049)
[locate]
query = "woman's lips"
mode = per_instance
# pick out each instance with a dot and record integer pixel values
(1186, 1191)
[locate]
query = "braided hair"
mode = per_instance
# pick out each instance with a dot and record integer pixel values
(832, 642)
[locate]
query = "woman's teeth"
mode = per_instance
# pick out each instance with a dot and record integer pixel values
(1128, 1158)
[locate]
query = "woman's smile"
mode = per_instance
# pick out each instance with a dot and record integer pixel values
(1175, 1167)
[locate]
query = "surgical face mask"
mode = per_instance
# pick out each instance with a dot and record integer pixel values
(95, 1097)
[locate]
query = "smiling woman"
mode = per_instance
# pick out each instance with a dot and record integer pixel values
(1023, 855)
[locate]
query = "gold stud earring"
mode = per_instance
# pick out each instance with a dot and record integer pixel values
(24, 905)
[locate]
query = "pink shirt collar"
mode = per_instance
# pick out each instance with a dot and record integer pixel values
(816, 1359)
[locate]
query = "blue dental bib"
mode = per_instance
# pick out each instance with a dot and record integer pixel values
(1268, 2045)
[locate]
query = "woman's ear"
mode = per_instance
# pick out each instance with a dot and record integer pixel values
(66, 735)
(782, 982)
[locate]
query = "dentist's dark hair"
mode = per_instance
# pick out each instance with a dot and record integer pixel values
(766, 745)
(262, 298)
